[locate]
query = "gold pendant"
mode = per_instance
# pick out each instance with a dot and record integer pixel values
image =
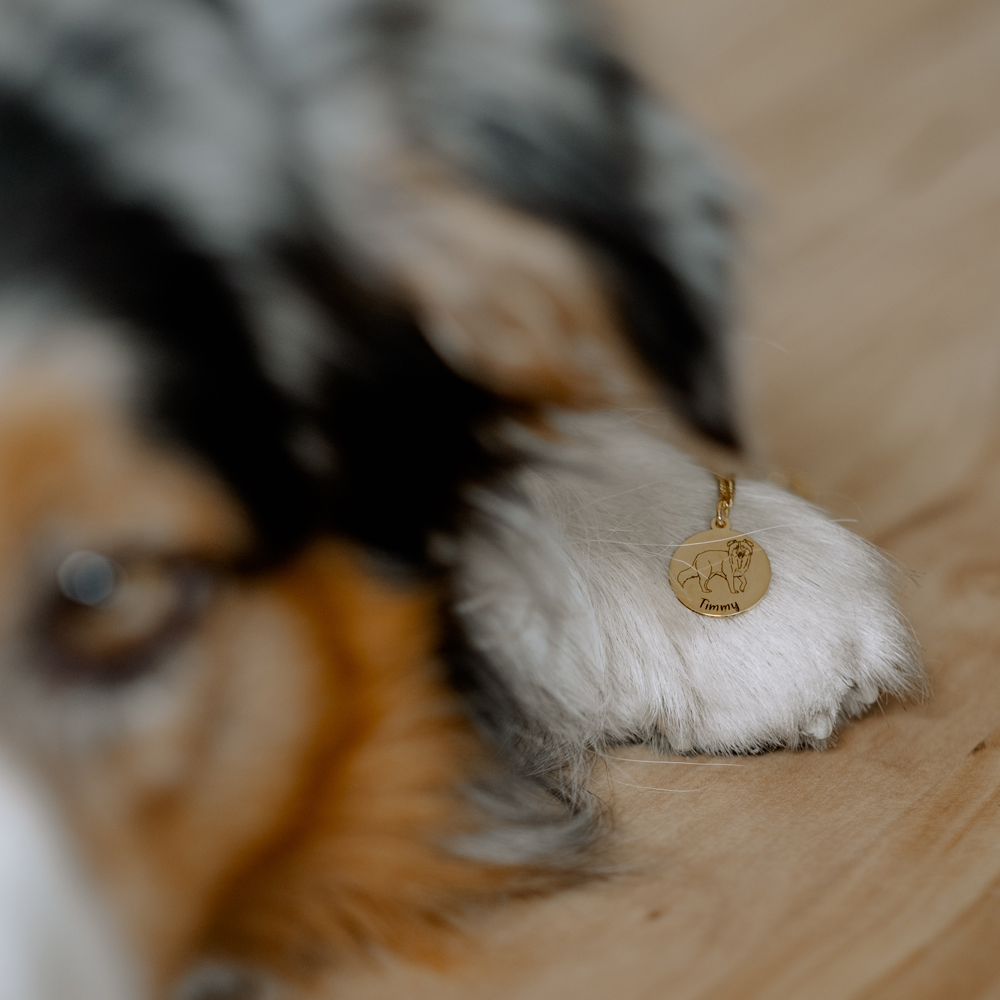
(720, 572)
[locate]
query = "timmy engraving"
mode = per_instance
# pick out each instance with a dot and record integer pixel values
(705, 606)
(731, 563)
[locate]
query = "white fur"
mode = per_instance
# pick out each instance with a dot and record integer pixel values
(563, 585)
(55, 940)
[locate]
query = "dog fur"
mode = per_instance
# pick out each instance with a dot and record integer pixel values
(295, 302)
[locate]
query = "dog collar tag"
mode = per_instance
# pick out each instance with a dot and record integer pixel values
(720, 572)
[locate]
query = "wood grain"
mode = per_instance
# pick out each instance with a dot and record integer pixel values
(870, 134)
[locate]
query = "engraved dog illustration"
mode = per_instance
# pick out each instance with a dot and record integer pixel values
(731, 563)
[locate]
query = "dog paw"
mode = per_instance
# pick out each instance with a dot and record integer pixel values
(563, 586)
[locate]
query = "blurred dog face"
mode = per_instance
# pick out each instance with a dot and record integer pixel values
(223, 381)
(258, 764)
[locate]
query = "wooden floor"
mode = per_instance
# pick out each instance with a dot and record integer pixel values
(870, 134)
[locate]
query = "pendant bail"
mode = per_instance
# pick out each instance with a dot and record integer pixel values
(727, 493)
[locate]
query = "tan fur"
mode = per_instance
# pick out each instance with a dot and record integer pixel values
(509, 301)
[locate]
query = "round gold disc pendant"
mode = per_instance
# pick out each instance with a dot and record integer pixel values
(720, 572)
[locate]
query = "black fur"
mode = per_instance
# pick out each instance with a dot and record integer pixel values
(405, 431)
(409, 433)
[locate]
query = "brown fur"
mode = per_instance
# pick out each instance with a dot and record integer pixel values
(362, 858)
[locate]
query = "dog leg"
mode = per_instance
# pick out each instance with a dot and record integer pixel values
(563, 585)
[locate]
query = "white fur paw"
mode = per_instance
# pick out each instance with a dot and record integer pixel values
(563, 585)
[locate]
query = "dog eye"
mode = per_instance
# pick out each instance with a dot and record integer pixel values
(88, 578)
(112, 621)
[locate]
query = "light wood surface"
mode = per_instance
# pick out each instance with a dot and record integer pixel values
(870, 134)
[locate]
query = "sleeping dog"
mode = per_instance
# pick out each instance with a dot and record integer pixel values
(329, 554)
